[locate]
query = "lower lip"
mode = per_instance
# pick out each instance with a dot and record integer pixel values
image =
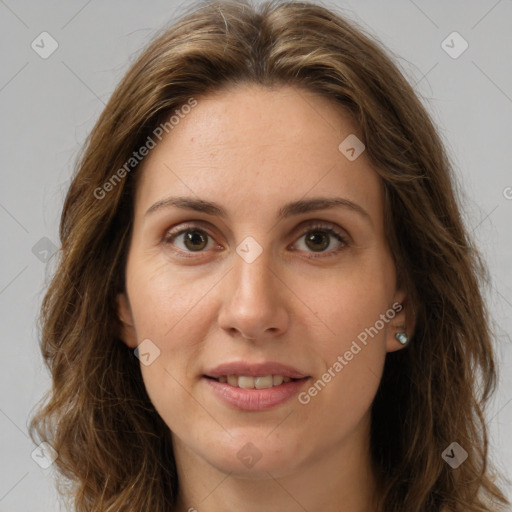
(255, 399)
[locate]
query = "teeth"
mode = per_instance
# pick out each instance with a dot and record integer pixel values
(247, 382)
(277, 380)
(263, 382)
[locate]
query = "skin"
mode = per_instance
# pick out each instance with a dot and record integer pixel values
(251, 150)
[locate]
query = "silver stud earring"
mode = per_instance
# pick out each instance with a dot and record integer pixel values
(402, 337)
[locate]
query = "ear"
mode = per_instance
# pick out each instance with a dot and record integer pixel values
(404, 321)
(124, 313)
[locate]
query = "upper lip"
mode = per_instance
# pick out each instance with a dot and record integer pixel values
(255, 370)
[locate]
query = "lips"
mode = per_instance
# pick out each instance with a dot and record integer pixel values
(255, 387)
(241, 368)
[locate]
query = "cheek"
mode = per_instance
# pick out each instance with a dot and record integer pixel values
(352, 360)
(173, 399)
(168, 312)
(170, 315)
(168, 309)
(353, 301)
(164, 299)
(356, 308)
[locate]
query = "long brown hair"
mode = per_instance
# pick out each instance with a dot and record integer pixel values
(114, 450)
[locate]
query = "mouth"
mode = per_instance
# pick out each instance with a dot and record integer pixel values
(249, 382)
(254, 387)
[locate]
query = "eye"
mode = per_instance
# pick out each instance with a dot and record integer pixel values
(318, 238)
(191, 237)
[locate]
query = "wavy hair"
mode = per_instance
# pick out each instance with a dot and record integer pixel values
(114, 451)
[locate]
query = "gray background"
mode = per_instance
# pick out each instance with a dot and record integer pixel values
(48, 106)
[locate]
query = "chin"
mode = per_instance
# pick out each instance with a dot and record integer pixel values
(277, 467)
(254, 456)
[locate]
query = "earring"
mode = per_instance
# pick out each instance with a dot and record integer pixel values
(402, 337)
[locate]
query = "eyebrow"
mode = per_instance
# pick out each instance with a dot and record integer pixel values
(289, 209)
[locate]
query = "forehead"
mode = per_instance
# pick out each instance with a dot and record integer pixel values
(249, 145)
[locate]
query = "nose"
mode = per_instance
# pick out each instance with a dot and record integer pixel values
(254, 305)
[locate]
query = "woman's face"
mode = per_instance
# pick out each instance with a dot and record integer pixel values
(264, 290)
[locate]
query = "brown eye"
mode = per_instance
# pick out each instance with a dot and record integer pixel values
(188, 239)
(195, 240)
(317, 240)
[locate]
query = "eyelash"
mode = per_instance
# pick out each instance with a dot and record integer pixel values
(339, 235)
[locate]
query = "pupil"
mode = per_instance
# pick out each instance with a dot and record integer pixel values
(190, 237)
(314, 238)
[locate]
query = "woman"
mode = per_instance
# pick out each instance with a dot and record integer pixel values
(266, 298)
